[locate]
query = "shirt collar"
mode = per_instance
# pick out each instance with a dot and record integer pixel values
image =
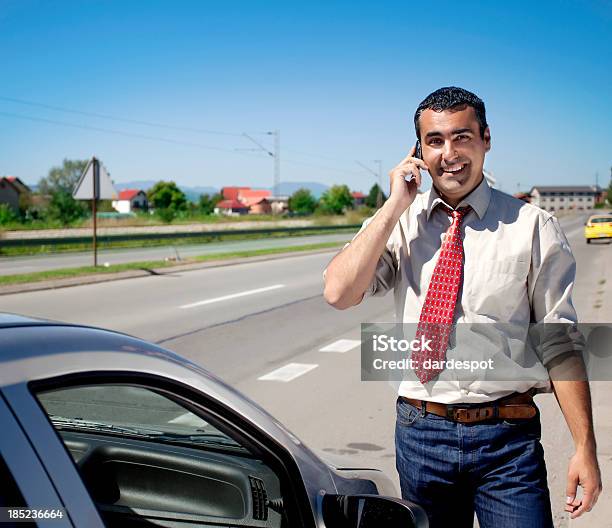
(478, 199)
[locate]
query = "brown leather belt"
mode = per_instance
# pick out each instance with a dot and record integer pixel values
(515, 406)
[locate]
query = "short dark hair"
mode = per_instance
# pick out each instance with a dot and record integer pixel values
(451, 97)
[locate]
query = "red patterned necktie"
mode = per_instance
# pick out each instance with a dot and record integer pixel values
(436, 318)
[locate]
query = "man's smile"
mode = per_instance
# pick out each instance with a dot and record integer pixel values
(453, 169)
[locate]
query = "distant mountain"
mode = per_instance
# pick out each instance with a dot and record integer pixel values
(144, 185)
(193, 193)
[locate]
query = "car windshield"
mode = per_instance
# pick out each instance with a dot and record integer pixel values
(601, 220)
(130, 411)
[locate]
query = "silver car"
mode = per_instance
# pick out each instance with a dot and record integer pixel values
(103, 429)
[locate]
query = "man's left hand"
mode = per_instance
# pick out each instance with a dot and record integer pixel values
(584, 472)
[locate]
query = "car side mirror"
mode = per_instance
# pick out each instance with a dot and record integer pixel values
(371, 511)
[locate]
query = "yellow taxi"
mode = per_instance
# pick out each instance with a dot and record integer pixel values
(598, 226)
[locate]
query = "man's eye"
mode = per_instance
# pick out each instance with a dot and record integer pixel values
(434, 141)
(462, 137)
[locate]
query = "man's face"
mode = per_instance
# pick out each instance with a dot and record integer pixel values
(453, 150)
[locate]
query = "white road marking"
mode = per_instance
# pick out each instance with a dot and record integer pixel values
(342, 345)
(288, 372)
(233, 296)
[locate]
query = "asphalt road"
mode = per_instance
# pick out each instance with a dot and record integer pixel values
(51, 261)
(250, 321)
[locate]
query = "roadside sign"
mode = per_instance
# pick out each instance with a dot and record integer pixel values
(94, 184)
(95, 179)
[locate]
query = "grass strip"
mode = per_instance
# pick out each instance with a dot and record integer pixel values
(65, 273)
(198, 238)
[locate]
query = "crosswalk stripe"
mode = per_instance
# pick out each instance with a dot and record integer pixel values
(288, 372)
(342, 345)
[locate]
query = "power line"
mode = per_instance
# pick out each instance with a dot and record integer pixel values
(147, 123)
(115, 118)
(156, 138)
(115, 132)
(154, 124)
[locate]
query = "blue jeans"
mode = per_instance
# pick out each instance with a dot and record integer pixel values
(494, 468)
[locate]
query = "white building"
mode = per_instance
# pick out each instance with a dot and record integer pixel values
(559, 198)
(131, 200)
(280, 204)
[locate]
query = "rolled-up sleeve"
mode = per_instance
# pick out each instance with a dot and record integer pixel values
(550, 282)
(552, 276)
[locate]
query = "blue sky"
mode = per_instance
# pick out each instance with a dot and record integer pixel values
(339, 79)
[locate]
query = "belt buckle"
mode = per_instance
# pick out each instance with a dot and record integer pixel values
(465, 414)
(451, 411)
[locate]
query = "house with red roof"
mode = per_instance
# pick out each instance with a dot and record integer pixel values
(259, 205)
(243, 200)
(131, 200)
(231, 208)
(231, 193)
(11, 191)
(358, 198)
(257, 200)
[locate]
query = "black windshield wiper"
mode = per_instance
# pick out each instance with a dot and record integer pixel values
(153, 434)
(201, 438)
(75, 423)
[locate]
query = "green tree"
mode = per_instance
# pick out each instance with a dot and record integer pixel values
(373, 196)
(207, 203)
(336, 200)
(59, 185)
(64, 208)
(167, 200)
(302, 201)
(62, 178)
(7, 214)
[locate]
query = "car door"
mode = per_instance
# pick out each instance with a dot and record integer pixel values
(145, 449)
(25, 483)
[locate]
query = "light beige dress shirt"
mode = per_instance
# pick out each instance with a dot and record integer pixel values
(518, 269)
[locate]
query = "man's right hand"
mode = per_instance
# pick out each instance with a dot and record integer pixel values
(406, 179)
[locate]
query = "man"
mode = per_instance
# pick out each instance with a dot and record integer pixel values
(466, 253)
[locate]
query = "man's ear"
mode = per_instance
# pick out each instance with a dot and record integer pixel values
(487, 139)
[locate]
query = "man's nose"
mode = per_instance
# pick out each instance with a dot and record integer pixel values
(449, 152)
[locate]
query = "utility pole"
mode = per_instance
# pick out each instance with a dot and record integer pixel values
(379, 196)
(276, 135)
(275, 155)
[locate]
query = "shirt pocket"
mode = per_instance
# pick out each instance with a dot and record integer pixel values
(497, 288)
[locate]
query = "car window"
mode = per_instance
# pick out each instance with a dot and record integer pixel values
(601, 220)
(124, 409)
(145, 457)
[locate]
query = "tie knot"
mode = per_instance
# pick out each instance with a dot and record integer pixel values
(457, 214)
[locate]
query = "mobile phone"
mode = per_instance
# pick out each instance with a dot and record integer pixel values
(417, 154)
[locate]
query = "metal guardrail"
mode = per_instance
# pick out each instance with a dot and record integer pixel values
(25, 242)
